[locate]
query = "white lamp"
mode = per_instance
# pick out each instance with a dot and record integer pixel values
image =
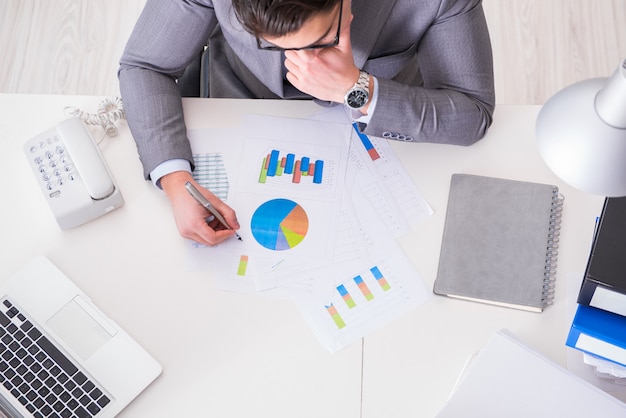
(581, 134)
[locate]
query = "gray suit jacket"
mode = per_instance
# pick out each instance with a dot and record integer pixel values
(447, 98)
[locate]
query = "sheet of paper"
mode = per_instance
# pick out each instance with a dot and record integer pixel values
(386, 183)
(354, 247)
(384, 286)
(285, 179)
(606, 369)
(375, 172)
(351, 276)
(378, 171)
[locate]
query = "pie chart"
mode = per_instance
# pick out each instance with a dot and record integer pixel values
(279, 224)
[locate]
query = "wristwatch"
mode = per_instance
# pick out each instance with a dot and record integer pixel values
(359, 94)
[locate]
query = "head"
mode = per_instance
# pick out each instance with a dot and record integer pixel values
(289, 21)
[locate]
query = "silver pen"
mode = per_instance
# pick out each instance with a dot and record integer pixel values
(195, 193)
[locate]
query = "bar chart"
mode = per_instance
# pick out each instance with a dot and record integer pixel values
(296, 169)
(242, 267)
(355, 297)
(367, 143)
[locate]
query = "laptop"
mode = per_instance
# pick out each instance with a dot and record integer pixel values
(59, 354)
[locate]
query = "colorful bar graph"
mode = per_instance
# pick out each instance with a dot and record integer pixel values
(358, 306)
(369, 147)
(243, 265)
(380, 279)
(363, 288)
(335, 315)
(274, 165)
(345, 295)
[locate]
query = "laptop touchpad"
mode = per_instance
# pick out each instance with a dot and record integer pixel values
(81, 327)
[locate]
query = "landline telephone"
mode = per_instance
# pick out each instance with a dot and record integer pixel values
(72, 174)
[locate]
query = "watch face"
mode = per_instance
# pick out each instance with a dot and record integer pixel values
(357, 98)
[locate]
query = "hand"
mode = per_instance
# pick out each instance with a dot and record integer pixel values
(326, 73)
(191, 217)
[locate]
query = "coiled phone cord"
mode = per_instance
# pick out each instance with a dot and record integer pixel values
(110, 110)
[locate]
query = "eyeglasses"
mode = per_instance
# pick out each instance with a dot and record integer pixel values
(267, 46)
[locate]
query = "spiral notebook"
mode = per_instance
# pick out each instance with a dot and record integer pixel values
(499, 242)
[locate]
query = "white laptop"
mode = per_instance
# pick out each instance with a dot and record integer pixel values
(60, 355)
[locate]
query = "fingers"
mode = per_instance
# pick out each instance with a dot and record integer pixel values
(209, 230)
(227, 213)
(205, 230)
(204, 234)
(290, 64)
(325, 73)
(191, 216)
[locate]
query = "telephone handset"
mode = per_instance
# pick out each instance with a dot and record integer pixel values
(72, 174)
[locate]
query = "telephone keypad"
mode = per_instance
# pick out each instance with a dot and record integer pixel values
(53, 163)
(72, 174)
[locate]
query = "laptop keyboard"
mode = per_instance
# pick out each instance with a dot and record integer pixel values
(40, 376)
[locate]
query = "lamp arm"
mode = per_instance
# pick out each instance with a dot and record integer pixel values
(611, 99)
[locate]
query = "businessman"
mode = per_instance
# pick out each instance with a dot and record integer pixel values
(411, 70)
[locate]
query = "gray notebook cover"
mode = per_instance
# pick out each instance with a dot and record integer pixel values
(498, 242)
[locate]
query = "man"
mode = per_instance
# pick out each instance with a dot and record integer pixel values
(414, 70)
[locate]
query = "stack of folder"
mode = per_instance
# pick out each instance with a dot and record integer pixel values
(599, 326)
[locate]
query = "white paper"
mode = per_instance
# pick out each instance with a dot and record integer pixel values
(382, 287)
(365, 200)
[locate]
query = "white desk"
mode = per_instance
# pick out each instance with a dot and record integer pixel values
(233, 355)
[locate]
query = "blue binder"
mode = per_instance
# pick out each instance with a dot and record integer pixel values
(600, 333)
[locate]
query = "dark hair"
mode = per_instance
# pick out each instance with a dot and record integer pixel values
(277, 18)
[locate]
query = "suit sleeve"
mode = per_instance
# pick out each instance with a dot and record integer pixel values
(166, 38)
(455, 104)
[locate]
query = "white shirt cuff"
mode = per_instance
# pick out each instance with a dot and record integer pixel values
(167, 167)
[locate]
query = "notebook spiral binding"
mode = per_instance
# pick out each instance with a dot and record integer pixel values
(552, 249)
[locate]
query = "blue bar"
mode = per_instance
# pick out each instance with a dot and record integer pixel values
(364, 139)
(319, 170)
(271, 168)
(304, 165)
(376, 272)
(342, 290)
(289, 163)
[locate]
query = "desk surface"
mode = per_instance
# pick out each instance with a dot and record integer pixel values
(234, 355)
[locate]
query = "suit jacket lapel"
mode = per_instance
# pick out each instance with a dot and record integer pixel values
(269, 68)
(364, 30)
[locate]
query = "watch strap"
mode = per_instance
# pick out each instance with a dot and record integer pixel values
(361, 85)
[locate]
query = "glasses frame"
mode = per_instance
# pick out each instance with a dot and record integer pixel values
(335, 42)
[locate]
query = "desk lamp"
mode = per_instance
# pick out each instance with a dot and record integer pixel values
(581, 134)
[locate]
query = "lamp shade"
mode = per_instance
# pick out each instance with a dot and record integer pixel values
(581, 134)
